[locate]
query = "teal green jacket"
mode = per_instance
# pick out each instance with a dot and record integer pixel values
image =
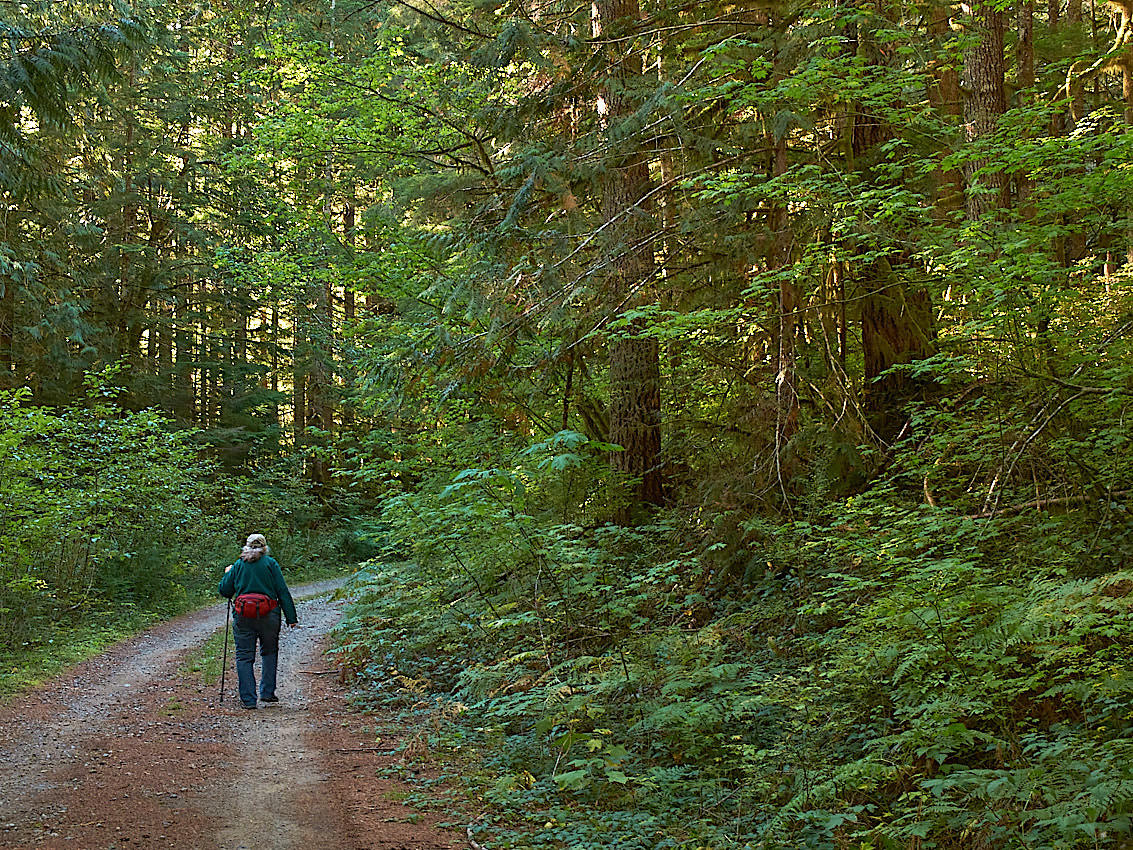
(259, 576)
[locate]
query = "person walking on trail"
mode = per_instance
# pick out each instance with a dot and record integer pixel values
(256, 587)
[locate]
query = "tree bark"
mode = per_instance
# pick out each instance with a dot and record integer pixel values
(945, 97)
(1127, 90)
(7, 335)
(635, 379)
(1025, 74)
(1078, 93)
(320, 401)
(273, 380)
(786, 377)
(207, 385)
(184, 353)
(1025, 51)
(895, 318)
(299, 398)
(896, 329)
(348, 306)
(986, 101)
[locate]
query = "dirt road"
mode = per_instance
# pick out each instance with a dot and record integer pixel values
(128, 751)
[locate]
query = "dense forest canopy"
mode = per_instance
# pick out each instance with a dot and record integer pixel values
(735, 395)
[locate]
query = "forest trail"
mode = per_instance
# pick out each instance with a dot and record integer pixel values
(129, 751)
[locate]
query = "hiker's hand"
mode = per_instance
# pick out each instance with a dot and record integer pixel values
(228, 569)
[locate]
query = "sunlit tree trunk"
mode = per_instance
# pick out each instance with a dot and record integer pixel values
(986, 101)
(1025, 75)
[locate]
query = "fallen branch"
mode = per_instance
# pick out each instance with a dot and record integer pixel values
(318, 672)
(1039, 504)
(472, 841)
(994, 503)
(1070, 386)
(365, 750)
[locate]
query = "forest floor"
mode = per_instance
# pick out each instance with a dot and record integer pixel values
(130, 750)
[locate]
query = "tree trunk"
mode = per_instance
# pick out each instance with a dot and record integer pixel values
(1025, 74)
(1127, 87)
(7, 335)
(1025, 51)
(299, 399)
(184, 367)
(945, 97)
(635, 379)
(896, 319)
(320, 402)
(1127, 90)
(240, 349)
(786, 372)
(274, 380)
(1078, 93)
(207, 380)
(896, 329)
(986, 101)
(163, 365)
(348, 306)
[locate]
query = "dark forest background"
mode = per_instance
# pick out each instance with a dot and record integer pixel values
(729, 402)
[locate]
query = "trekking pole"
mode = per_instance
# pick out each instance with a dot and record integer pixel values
(224, 663)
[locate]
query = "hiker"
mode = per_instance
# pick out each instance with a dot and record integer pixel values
(256, 587)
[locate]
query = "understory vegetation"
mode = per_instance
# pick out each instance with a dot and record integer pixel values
(875, 671)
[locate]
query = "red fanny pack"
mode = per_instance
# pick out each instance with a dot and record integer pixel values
(253, 605)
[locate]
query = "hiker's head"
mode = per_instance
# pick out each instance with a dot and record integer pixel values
(254, 547)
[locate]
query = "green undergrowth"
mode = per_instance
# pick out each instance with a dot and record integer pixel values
(882, 673)
(33, 663)
(936, 711)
